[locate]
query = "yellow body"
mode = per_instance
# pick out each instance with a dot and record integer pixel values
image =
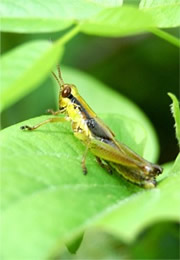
(76, 118)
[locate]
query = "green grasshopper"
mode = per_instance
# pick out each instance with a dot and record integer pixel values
(99, 139)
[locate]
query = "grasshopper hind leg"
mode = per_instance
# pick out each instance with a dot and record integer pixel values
(105, 165)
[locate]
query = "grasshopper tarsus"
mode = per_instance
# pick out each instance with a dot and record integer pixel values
(51, 111)
(110, 171)
(85, 171)
(26, 127)
(84, 168)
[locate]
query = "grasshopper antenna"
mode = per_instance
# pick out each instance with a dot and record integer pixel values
(59, 79)
(59, 74)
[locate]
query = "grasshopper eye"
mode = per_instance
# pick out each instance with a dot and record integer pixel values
(66, 91)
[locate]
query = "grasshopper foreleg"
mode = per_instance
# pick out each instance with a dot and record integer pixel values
(50, 120)
(55, 113)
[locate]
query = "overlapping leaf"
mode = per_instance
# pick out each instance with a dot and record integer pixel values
(44, 16)
(119, 21)
(26, 66)
(160, 204)
(23, 68)
(165, 13)
(98, 17)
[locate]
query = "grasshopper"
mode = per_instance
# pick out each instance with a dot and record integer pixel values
(99, 139)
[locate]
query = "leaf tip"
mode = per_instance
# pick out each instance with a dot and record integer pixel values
(175, 110)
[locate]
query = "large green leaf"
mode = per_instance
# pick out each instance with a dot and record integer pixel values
(23, 68)
(129, 217)
(104, 18)
(118, 21)
(46, 198)
(127, 20)
(26, 66)
(44, 16)
(165, 13)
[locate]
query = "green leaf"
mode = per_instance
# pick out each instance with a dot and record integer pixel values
(116, 21)
(176, 114)
(165, 13)
(166, 36)
(108, 3)
(160, 241)
(44, 16)
(23, 68)
(130, 216)
(26, 66)
(46, 199)
(127, 20)
(75, 244)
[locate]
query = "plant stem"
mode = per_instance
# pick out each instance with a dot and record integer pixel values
(68, 36)
(166, 36)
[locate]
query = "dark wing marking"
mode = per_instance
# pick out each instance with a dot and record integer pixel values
(95, 125)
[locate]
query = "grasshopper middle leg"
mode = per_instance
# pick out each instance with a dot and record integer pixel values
(103, 165)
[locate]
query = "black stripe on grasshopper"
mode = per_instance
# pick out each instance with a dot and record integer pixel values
(92, 124)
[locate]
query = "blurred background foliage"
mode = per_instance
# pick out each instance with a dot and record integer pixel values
(143, 68)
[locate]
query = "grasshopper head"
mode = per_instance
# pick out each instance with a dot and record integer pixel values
(68, 91)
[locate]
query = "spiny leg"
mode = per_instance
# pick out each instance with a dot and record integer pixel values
(50, 120)
(103, 165)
